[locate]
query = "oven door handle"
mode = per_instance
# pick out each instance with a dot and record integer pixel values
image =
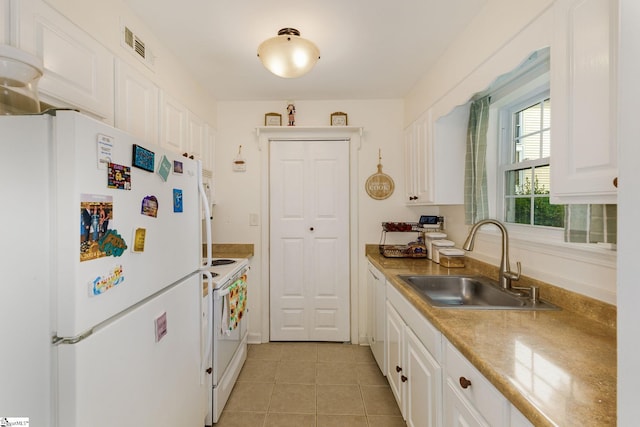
(226, 290)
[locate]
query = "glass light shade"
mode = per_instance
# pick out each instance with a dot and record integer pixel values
(288, 55)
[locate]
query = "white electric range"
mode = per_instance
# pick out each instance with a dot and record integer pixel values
(229, 348)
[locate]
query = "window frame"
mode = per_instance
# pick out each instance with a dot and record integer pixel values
(506, 149)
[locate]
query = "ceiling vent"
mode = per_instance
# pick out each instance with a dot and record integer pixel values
(137, 47)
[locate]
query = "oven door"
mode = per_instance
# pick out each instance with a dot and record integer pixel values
(225, 342)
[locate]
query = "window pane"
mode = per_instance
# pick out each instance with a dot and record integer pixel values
(518, 182)
(518, 210)
(542, 180)
(546, 114)
(530, 119)
(547, 214)
(546, 143)
(528, 148)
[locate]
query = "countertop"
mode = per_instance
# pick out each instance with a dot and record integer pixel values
(229, 250)
(557, 367)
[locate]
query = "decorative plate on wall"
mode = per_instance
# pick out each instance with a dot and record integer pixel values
(379, 186)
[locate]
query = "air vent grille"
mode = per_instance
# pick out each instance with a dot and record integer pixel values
(136, 46)
(128, 37)
(139, 47)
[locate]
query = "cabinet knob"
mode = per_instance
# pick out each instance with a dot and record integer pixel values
(615, 182)
(209, 370)
(403, 378)
(464, 383)
(398, 369)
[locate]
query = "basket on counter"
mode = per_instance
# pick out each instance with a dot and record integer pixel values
(403, 251)
(412, 250)
(400, 226)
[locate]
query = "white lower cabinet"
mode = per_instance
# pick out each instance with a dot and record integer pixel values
(433, 383)
(413, 372)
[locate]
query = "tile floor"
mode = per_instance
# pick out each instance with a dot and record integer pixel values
(310, 384)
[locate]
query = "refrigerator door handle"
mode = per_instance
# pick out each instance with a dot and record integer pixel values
(207, 214)
(56, 340)
(209, 331)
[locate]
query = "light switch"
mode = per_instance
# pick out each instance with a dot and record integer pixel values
(254, 219)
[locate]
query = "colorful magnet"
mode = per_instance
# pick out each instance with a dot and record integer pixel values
(102, 284)
(96, 212)
(139, 235)
(150, 206)
(177, 167)
(119, 177)
(143, 158)
(177, 200)
(112, 244)
(165, 168)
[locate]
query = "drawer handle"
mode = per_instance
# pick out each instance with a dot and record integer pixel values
(464, 383)
(398, 369)
(403, 378)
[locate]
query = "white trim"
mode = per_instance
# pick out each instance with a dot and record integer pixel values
(355, 137)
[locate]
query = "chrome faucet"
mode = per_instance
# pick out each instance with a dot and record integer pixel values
(506, 275)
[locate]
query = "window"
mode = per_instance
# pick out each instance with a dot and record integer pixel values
(526, 149)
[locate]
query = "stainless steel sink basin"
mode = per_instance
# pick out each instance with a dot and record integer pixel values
(472, 292)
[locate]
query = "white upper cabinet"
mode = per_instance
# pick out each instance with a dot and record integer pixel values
(198, 141)
(136, 109)
(78, 71)
(417, 160)
(5, 22)
(434, 158)
(173, 122)
(583, 91)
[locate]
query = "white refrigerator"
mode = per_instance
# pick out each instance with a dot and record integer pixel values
(102, 315)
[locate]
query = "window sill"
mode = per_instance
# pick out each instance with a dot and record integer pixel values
(551, 242)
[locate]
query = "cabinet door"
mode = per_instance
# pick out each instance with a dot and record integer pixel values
(410, 166)
(7, 29)
(583, 88)
(458, 411)
(418, 155)
(78, 71)
(197, 131)
(136, 103)
(424, 393)
(376, 310)
(395, 326)
(173, 124)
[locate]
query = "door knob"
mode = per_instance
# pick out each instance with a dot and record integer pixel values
(310, 228)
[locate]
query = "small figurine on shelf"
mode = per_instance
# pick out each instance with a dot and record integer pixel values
(291, 111)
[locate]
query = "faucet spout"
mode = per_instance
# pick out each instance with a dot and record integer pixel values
(505, 275)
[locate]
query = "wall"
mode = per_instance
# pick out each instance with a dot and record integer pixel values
(103, 20)
(497, 24)
(629, 205)
(238, 194)
(481, 54)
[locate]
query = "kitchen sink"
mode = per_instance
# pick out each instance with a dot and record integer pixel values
(471, 292)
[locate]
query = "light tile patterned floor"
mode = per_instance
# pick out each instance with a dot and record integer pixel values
(311, 384)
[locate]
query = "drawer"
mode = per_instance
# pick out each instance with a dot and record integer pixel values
(487, 400)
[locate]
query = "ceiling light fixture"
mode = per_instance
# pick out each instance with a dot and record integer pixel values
(288, 55)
